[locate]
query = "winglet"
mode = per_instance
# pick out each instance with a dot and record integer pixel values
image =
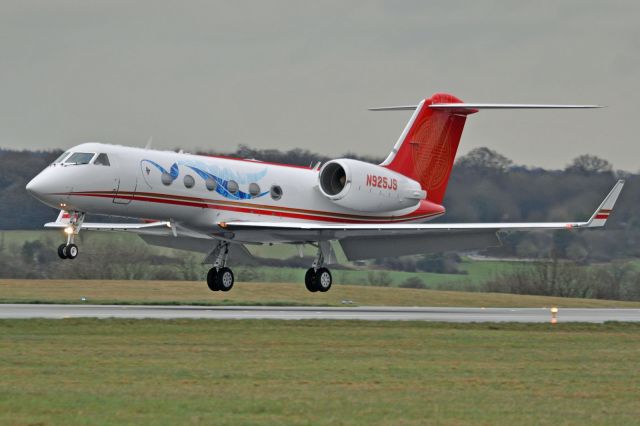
(600, 216)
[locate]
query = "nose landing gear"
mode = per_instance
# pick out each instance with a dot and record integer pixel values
(220, 278)
(67, 251)
(70, 250)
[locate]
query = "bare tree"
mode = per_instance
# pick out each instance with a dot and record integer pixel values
(485, 158)
(589, 164)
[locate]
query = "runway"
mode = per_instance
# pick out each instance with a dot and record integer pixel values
(372, 313)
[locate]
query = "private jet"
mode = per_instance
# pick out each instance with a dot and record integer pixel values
(218, 205)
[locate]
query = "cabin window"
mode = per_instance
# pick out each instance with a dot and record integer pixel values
(211, 184)
(166, 179)
(276, 192)
(189, 181)
(254, 189)
(232, 186)
(79, 158)
(102, 160)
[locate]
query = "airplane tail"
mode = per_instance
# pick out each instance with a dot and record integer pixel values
(427, 147)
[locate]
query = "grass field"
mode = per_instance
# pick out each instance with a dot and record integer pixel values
(189, 292)
(477, 272)
(84, 372)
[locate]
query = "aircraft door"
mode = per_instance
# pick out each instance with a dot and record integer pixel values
(124, 190)
(125, 183)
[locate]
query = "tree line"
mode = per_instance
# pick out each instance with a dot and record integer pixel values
(484, 186)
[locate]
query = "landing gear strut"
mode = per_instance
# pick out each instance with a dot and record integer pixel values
(318, 278)
(220, 278)
(70, 250)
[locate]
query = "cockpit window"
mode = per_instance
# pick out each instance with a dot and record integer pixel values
(79, 158)
(102, 160)
(62, 157)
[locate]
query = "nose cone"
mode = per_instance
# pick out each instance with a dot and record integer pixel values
(32, 186)
(41, 188)
(35, 186)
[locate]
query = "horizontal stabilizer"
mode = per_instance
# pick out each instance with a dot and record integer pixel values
(395, 108)
(509, 106)
(469, 106)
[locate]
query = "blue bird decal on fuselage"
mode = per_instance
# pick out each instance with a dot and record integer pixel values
(222, 178)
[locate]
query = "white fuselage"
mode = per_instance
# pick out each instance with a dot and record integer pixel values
(200, 192)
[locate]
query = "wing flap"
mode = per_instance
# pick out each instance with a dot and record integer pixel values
(360, 248)
(239, 254)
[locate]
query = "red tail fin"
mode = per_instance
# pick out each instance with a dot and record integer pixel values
(427, 148)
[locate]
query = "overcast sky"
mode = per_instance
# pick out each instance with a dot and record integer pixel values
(274, 74)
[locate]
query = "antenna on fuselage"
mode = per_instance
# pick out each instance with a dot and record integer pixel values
(149, 142)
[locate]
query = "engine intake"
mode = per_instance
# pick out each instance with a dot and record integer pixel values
(333, 179)
(363, 186)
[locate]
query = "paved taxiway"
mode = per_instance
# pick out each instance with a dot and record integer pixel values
(300, 313)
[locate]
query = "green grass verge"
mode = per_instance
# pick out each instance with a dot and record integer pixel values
(476, 273)
(222, 302)
(85, 372)
(268, 294)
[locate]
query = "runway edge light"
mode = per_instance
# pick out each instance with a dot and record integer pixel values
(554, 315)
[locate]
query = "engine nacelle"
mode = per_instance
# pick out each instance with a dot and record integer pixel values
(362, 186)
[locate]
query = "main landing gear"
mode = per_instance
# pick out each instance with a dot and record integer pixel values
(70, 249)
(318, 278)
(220, 278)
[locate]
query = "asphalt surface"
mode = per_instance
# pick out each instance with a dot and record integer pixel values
(300, 313)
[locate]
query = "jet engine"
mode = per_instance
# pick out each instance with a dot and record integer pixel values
(367, 187)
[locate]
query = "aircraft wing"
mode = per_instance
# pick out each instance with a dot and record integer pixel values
(363, 241)
(113, 226)
(135, 227)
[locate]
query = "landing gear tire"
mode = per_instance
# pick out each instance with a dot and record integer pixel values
(310, 280)
(323, 280)
(71, 251)
(212, 279)
(318, 280)
(61, 251)
(225, 279)
(67, 251)
(220, 279)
